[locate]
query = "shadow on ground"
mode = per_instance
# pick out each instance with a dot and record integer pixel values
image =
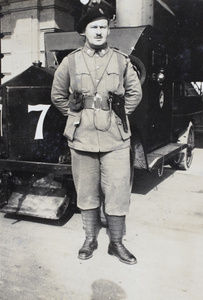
(145, 181)
(199, 139)
(103, 289)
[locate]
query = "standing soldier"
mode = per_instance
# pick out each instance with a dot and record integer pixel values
(97, 88)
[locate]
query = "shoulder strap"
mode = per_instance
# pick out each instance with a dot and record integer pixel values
(76, 50)
(72, 69)
(120, 52)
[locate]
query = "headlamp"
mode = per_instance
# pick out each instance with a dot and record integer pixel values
(84, 2)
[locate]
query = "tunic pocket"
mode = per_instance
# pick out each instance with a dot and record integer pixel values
(112, 81)
(72, 123)
(83, 82)
(112, 71)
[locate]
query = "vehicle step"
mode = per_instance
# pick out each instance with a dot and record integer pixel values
(45, 198)
(161, 155)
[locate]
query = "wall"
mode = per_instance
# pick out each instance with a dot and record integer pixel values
(134, 12)
(24, 24)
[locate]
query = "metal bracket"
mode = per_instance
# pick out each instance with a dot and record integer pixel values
(6, 188)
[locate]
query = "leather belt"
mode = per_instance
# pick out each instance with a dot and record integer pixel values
(94, 103)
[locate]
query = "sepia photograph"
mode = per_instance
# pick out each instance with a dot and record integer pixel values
(101, 149)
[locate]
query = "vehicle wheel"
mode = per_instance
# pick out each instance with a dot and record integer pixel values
(183, 160)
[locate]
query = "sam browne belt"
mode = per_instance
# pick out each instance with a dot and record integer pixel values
(96, 102)
(114, 102)
(77, 101)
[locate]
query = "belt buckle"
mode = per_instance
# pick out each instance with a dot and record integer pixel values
(97, 101)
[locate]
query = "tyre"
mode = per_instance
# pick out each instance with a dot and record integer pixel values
(184, 159)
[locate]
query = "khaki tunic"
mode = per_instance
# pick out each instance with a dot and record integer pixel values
(96, 72)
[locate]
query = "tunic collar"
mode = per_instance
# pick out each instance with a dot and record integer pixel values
(91, 51)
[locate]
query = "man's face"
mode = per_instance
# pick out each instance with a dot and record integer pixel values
(96, 33)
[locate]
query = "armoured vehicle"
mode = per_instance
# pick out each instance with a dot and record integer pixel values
(35, 162)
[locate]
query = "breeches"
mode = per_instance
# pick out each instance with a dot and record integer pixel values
(102, 173)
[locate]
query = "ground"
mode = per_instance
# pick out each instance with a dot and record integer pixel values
(38, 258)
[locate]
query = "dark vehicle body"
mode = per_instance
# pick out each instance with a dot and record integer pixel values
(35, 163)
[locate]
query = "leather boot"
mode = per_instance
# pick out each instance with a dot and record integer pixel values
(90, 223)
(116, 247)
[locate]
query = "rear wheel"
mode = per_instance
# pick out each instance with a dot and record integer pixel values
(183, 160)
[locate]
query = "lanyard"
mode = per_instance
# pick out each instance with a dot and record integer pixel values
(93, 82)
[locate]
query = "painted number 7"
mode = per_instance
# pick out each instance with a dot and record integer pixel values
(43, 108)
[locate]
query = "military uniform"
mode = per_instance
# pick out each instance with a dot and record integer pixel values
(118, 77)
(97, 130)
(100, 147)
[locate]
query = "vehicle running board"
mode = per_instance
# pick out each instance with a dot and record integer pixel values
(36, 206)
(160, 156)
(40, 200)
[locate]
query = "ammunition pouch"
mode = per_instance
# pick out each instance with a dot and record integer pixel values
(118, 106)
(76, 101)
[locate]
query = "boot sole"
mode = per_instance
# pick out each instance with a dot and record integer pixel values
(87, 257)
(123, 261)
